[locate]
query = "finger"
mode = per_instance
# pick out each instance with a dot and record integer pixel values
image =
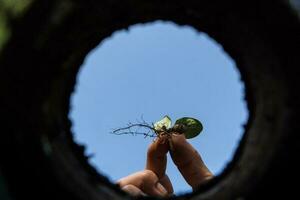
(165, 181)
(151, 185)
(157, 161)
(146, 181)
(135, 179)
(157, 157)
(133, 190)
(188, 161)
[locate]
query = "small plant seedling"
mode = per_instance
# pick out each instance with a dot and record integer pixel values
(188, 126)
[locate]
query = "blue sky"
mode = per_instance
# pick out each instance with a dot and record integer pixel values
(152, 70)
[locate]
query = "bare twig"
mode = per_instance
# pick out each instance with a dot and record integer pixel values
(133, 125)
(134, 129)
(147, 130)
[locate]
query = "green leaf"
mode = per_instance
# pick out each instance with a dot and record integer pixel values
(164, 122)
(191, 127)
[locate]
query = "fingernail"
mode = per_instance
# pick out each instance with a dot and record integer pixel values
(161, 189)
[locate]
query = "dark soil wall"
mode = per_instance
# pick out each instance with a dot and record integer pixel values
(43, 43)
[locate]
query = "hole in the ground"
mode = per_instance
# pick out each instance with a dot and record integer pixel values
(152, 70)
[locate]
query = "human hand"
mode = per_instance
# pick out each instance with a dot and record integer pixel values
(153, 181)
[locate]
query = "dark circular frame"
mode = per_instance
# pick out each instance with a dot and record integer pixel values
(47, 45)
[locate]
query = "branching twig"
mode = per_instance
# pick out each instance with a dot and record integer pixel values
(163, 129)
(134, 129)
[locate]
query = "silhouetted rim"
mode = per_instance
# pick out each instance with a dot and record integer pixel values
(48, 44)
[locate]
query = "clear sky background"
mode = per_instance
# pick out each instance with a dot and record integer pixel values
(152, 70)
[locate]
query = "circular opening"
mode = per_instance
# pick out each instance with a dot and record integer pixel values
(150, 71)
